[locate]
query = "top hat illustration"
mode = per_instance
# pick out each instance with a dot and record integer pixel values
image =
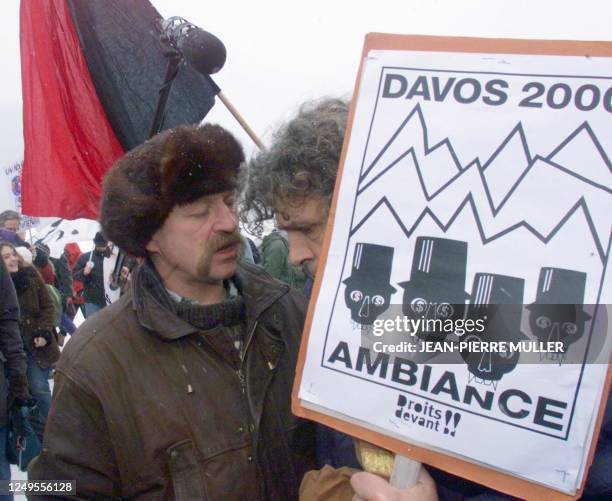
(368, 288)
(438, 261)
(558, 286)
(557, 313)
(496, 300)
(436, 288)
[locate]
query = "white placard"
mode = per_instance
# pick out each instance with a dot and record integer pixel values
(497, 168)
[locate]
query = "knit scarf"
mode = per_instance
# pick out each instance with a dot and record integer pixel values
(227, 313)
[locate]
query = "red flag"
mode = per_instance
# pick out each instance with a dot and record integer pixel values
(69, 143)
(91, 75)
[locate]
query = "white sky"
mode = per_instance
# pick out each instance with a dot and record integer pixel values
(281, 53)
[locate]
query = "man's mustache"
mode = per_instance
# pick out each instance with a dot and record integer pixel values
(221, 241)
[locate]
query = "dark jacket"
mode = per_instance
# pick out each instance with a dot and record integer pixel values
(37, 315)
(93, 284)
(63, 278)
(147, 407)
(12, 356)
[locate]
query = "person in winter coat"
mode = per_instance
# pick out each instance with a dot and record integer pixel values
(12, 362)
(36, 325)
(90, 270)
(58, 277)
(294, 182)
(306, 177)
(181, 389)
(63, 277)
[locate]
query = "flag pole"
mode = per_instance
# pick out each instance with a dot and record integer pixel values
(240, 120)
(230, 107)
(405, 472)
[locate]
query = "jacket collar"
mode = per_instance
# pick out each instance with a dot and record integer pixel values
(259, 290)
(155, 310)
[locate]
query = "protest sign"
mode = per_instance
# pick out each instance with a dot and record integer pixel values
(10, 190)
(459, 315)
(10, 187)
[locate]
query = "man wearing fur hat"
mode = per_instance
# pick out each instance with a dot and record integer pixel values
(181, 389)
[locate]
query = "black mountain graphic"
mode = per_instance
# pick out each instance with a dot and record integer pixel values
(469, 202)
(598, 164)
(536, 179)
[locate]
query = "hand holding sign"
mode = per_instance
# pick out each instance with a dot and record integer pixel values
(368, 486)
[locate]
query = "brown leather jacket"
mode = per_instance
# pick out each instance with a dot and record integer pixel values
(37, 314)
(166, 412)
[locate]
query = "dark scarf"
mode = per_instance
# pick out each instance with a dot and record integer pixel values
(226, 313)
(22, 279)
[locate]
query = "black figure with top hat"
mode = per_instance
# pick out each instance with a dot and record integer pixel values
(436, 289)
(498, 301)
(557, 315)
(368, 289)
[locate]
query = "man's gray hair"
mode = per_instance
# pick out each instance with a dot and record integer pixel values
(302, 161)
(8, 215)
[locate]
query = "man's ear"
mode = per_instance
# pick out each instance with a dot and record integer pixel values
(152, 246)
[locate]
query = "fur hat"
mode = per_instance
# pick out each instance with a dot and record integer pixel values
(175, 167)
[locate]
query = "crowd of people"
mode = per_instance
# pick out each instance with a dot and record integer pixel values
(181, 388)
(48, 292)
